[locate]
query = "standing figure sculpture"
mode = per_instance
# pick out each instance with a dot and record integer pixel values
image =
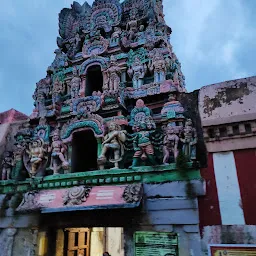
(189, 140)
(171, 141)
(137, 72)
(113, 80)
(57, 149)
(142, 145)
(75, 84)
(113, 142)
(158, 65)
(57, 91)
(132, 25)
(36, 154)
(7, 165)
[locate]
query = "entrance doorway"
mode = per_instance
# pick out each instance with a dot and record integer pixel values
(84, 153)
(89, 241)
(77, 242)
(94, 80)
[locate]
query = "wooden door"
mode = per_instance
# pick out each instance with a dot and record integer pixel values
(78, 241)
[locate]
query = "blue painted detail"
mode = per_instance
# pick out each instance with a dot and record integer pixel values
(87, 208)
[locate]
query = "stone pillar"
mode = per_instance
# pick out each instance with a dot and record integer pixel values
(123, 76)
(60, 243)
(6, 241)
(97, 242)
(69, 158)
(99, 149)
(42, 243)
(83, 86)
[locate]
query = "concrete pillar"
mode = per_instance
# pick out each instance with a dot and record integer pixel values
(60, 243)
(97, 242)
(42, 243)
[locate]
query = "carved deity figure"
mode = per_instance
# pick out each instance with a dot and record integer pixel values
(142, 145)
(170, 144)
(113, 143)
(41, 93)
(58, 89)
(113, 73)
(75, 84)
(158, 65)
(132, 25)
(57, 149)
(7, 165)
(36, 154)
(189, 140)
(116, 35)
(137, 72)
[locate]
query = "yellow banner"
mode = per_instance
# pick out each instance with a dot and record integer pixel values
(233, 251)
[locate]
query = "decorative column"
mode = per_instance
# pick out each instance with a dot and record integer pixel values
(60, 242)
(83, 86)
(69, 158)
(42, 243)
(6, 241)
(99, 141)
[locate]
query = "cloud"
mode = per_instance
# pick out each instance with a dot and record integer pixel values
(214, 41)
(211, 38)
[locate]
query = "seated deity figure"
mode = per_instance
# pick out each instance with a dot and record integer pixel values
(142, 145)
(170, 144)
(158, 65)
(36, 154)
(7, 165)
(75, 84)
(113, 142)
(189, 140)
(137, 72)
(57, 149)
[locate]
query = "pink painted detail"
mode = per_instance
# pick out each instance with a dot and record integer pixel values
(98, 196)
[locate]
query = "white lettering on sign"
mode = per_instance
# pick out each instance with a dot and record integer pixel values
(47, 198)
(104, 194)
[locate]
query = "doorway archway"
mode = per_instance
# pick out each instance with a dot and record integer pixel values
(84, 153)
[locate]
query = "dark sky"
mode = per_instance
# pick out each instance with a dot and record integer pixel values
(214, 40)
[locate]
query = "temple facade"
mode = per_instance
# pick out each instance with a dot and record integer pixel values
(110, 160)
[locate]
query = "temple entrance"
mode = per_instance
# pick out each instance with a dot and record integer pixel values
(94, 80)
(84, 241)
(84, 153)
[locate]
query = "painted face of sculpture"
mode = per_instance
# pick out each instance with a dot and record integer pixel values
(170, 130)
(101, 21)
(75, 71)
(188, 122)
(55, 137)
(140, 103)
(112, 127)
(35, 143)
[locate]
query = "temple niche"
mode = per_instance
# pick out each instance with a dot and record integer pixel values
(110, 97)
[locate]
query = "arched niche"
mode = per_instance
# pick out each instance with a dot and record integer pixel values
(91, 68)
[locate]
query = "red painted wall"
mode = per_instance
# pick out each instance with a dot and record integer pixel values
(209, 210)
(246, 173)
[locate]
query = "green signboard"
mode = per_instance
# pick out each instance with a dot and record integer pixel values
(156, 244)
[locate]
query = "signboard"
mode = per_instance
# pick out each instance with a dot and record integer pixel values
(79, 198)
(232, 250)
(156, 243)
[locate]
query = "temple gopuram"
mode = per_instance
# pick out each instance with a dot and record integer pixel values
(110, 158)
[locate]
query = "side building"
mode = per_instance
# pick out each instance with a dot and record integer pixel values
(227, 212)
(110, 158)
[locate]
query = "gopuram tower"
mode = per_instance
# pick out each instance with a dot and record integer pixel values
(107, 117)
